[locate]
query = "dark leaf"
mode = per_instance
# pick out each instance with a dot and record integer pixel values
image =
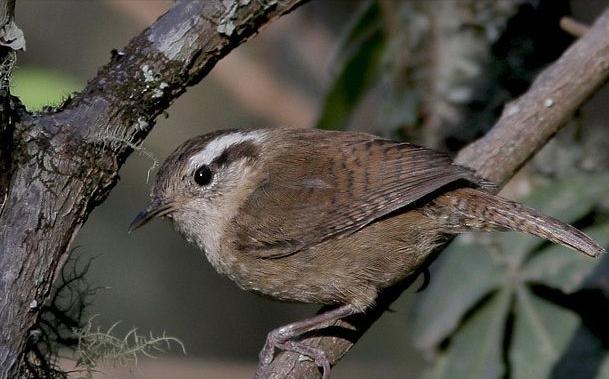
(467, 273)
(541, 333)
(475, 351)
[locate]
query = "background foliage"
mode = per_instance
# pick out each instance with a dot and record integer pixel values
(499, 306)
(38, 87)
(514, 306)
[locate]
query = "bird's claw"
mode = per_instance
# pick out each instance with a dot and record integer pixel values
(274, 341)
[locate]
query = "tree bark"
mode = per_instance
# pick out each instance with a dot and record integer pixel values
(524, 127)
(64, 162)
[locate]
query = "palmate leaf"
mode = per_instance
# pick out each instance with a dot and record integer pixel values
(475, 352)
(467, 274)
(548, 339)
(542, 331)
(438, 370)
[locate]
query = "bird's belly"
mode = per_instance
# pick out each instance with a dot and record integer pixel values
(342, 270)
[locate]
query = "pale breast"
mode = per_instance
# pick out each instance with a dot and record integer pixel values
(206, 233)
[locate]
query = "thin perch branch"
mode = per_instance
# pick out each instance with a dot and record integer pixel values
(528, 122)
(524, 127)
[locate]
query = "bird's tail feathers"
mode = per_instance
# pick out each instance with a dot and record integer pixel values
(472, 209)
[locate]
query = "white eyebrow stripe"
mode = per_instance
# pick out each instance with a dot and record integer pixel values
(217, 146)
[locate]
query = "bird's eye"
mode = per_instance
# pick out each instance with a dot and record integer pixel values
(203, 175)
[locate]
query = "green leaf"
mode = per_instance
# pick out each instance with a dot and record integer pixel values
(567, 200)
(360, 70)
(583, 357)
(559, 267)
(38, 87)
(475, 351)
(541, 333)
(438, 370)
(466, 274)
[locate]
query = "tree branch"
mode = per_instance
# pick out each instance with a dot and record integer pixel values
(524, 127)
(66, 161)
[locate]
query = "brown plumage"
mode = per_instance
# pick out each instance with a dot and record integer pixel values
(327, 217)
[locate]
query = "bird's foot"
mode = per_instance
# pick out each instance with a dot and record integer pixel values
(317, 355)
(277, 341)
(274, 339)
(285, 338)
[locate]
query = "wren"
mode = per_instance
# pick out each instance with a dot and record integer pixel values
(324, 217)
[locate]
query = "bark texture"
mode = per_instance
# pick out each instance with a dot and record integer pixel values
(64, 162)
(524, 127)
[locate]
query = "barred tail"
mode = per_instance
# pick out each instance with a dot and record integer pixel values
(475, 209)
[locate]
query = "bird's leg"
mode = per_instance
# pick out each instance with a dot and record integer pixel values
(283, 338)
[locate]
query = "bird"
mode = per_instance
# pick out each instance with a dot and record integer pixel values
(327, 217)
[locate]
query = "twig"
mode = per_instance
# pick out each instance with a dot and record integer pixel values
(573, 27)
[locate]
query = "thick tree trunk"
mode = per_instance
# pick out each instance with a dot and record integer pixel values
(63, 163)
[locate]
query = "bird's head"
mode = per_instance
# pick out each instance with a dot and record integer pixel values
(202, 183)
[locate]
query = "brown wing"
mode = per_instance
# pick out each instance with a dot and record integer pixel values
(323, 185)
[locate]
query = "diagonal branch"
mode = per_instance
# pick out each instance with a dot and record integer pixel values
(524, 127)
(66, 161)
(118, 107)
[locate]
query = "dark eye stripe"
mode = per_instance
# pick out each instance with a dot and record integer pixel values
(222, 159)
(246, 149)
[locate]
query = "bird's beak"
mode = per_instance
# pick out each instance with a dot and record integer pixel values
(156, 209)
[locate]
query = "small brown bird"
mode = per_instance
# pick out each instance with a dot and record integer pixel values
(327, 217)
